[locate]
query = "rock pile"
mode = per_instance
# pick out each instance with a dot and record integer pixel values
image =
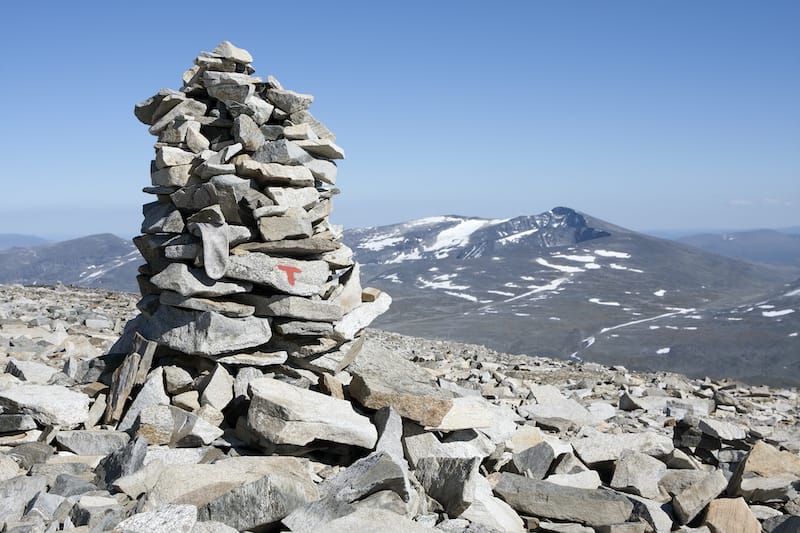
(413, 435)
(243, 266)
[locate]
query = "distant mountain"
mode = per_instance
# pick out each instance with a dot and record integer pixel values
(95, 261)
(10, 240)
(560, 284)
(759, 246)
(565, 284)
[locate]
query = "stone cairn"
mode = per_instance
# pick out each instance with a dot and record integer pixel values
(243, 266)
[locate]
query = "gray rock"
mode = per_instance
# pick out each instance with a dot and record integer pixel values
(229, 51)
(204, 332)
(167, 519)
(246, 132)
(162, 218)
(390, 431)
(362, 316)
(304, 328)
(14, 423)
(588, 479)
(721, 429)
(283, 152)
(292, 307)
(301, 278)
(255, 358)
(188, 107)
(534, 462)
(450, 481)
(31, 453)
(321, 148)
(553, 405)
(30, 371)
(492, 512)
(367, 520)
(548, 500)
(217, 390)
(151, 393)
(67, 485)
(167, 424)
(602, 447)
(294, 225)
(323, 170)
(47, 404)
(657, 515)
(383, 378)
(195, 197)
(100, 513)
(177, 176)
(377, 472)
(299, 131)
(16, 493)
(693, 499)
(169, 156)
(305, 197)
(92, 442)
(289, 101)
(123, 462)
(9, 468)
(240, 491)
(274, 173)
(178, 277)
(213, 527)
(177, 380)
(639, 474)
(283, 414)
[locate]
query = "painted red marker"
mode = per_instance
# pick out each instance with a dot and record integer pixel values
(290, 272)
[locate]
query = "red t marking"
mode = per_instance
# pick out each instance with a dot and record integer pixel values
(290, 272)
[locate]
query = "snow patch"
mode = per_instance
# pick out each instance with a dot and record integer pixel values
(660, 293)
(379, 242)
(442, 282)
(517, 236)
(561, 268)
(609, 253)
(576, 258)
(458, 235)
(663, 351)
(773, 314)
(598, 301)
(462, 295)
(501, 293)
(795, 292)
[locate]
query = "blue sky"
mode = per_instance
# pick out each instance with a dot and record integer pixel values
(651, 115)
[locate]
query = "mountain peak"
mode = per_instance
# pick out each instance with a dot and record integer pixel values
(462, 237)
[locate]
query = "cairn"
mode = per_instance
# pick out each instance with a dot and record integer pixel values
(243, 265)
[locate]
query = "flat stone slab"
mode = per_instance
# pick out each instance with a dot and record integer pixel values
(179, 278)
(92, 441)
(47, 404)
(602, 447)
(382, 378)
(300, 278)
(284, 414)
(548, 500)
(205, 332)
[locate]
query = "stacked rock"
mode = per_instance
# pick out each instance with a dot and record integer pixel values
(243, 266)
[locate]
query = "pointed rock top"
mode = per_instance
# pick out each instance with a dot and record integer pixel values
(229, 51)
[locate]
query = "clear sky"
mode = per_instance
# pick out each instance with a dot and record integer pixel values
(652, 115)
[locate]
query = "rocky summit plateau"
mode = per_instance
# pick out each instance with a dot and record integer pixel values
(244, 390)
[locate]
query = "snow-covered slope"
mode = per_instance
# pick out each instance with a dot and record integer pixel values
(95, 261)
(565, 284)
